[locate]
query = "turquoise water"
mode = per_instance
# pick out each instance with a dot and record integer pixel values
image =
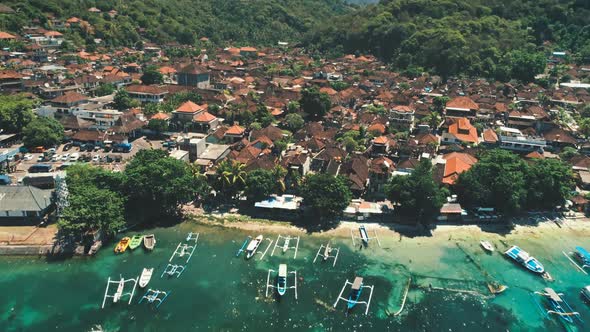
(218, 291)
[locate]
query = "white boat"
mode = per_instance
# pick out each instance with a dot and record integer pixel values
(146, 276)
(286, 245)
(119, 292)
(586, 293)
(327, 251)
(253, 246)
(487, 245)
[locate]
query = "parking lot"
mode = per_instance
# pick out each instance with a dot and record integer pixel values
(65, 155)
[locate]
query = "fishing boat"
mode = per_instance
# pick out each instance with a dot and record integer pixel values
(135, 241)
(355, 292)
(558, 305)
(122, 245)
(149, 242)
(119, 292)
(487, 245)
(282, 280)
(582, 256)
(525, 259)
(586, 293)
(364, 235)
(146, 276)
(327, 251)
(253, 246)
(286, 245)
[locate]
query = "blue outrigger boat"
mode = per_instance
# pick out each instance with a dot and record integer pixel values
(582, 256)
(525, 259)
(355, 292)
(282, 280)
(558, 306)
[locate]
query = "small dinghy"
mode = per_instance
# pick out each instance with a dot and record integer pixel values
(487, 246)
(122, 245)
(149, 242)
(146, 276)
(135, 241)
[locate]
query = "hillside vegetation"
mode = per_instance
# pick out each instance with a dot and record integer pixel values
(256, 22)
(489, 38)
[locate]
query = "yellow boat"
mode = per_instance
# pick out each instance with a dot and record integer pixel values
(122, 245)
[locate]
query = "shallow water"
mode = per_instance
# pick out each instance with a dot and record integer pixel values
(218, 291)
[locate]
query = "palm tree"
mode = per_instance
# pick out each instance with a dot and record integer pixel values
(230, 178)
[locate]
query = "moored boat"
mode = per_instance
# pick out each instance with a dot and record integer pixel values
(282, 280)
(525, 259)
(122, 245)
(582, 256)
(253, 246)
(135, 241)
(558, 305)
(149, 241)
(364, 235)
(355, 292)
(487, 245)
(586, 293)
(146, 276)
(119, 292)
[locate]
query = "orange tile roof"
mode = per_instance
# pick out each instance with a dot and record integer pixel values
(160, 116)
(204, 117)
(462, 102)
(456, 164)
(53, 34)
(378, 127)
(463, 125)
(5, 35)
(381, 140)
(189, 107)
(403, 108)
(490, 136)
(167, 70)
(235, 130)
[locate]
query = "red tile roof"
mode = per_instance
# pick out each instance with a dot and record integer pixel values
(235, 130)
(5, 35)
(456, 164)
(69, 98)
(160, 116)
(462, 102)
(189, 107)
(204, 117)
(464, 131)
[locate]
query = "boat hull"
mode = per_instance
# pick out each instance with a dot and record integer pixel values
(149, 242)
(122, 245)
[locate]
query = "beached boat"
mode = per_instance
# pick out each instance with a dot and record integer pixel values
(487, 245)
(282, 280)
(253, 246)
(364, 234)
(146, 276)
(135, 241)
(355, 292)
(586, 293)
(122, 245)
(582, 256)
(525, 259)
(149, 242)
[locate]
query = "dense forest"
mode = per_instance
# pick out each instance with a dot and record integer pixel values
(255, 22)
(489, 38)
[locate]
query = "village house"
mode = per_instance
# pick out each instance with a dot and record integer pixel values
(402, 117)
(194, 75)
(461, 107)
(147, 93)
(461, 131)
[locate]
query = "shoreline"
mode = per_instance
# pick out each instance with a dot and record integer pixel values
(246, 223)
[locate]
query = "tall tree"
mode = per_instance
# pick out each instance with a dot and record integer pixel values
(549, 182)
(326, 195)
(230, 179)
(260, 184)
(16, 111)
(417, 194)
(314, 102)
(151, 75)
(43, 131)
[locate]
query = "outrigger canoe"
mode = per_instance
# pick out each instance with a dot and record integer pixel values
(282, 280)
(135, 241)
(122, 245)
(355, 292)
(253, 246)
(364, 235)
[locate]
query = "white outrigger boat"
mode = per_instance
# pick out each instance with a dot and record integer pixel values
(253, 246)
(146, 276)
(119, 292)
(487, 245)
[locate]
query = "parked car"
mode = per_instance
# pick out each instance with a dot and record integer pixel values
(96, 158)
(74, 156)
(56, 157)
(65, 157)
(52, 150)
(28, 157)
(41, 158)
